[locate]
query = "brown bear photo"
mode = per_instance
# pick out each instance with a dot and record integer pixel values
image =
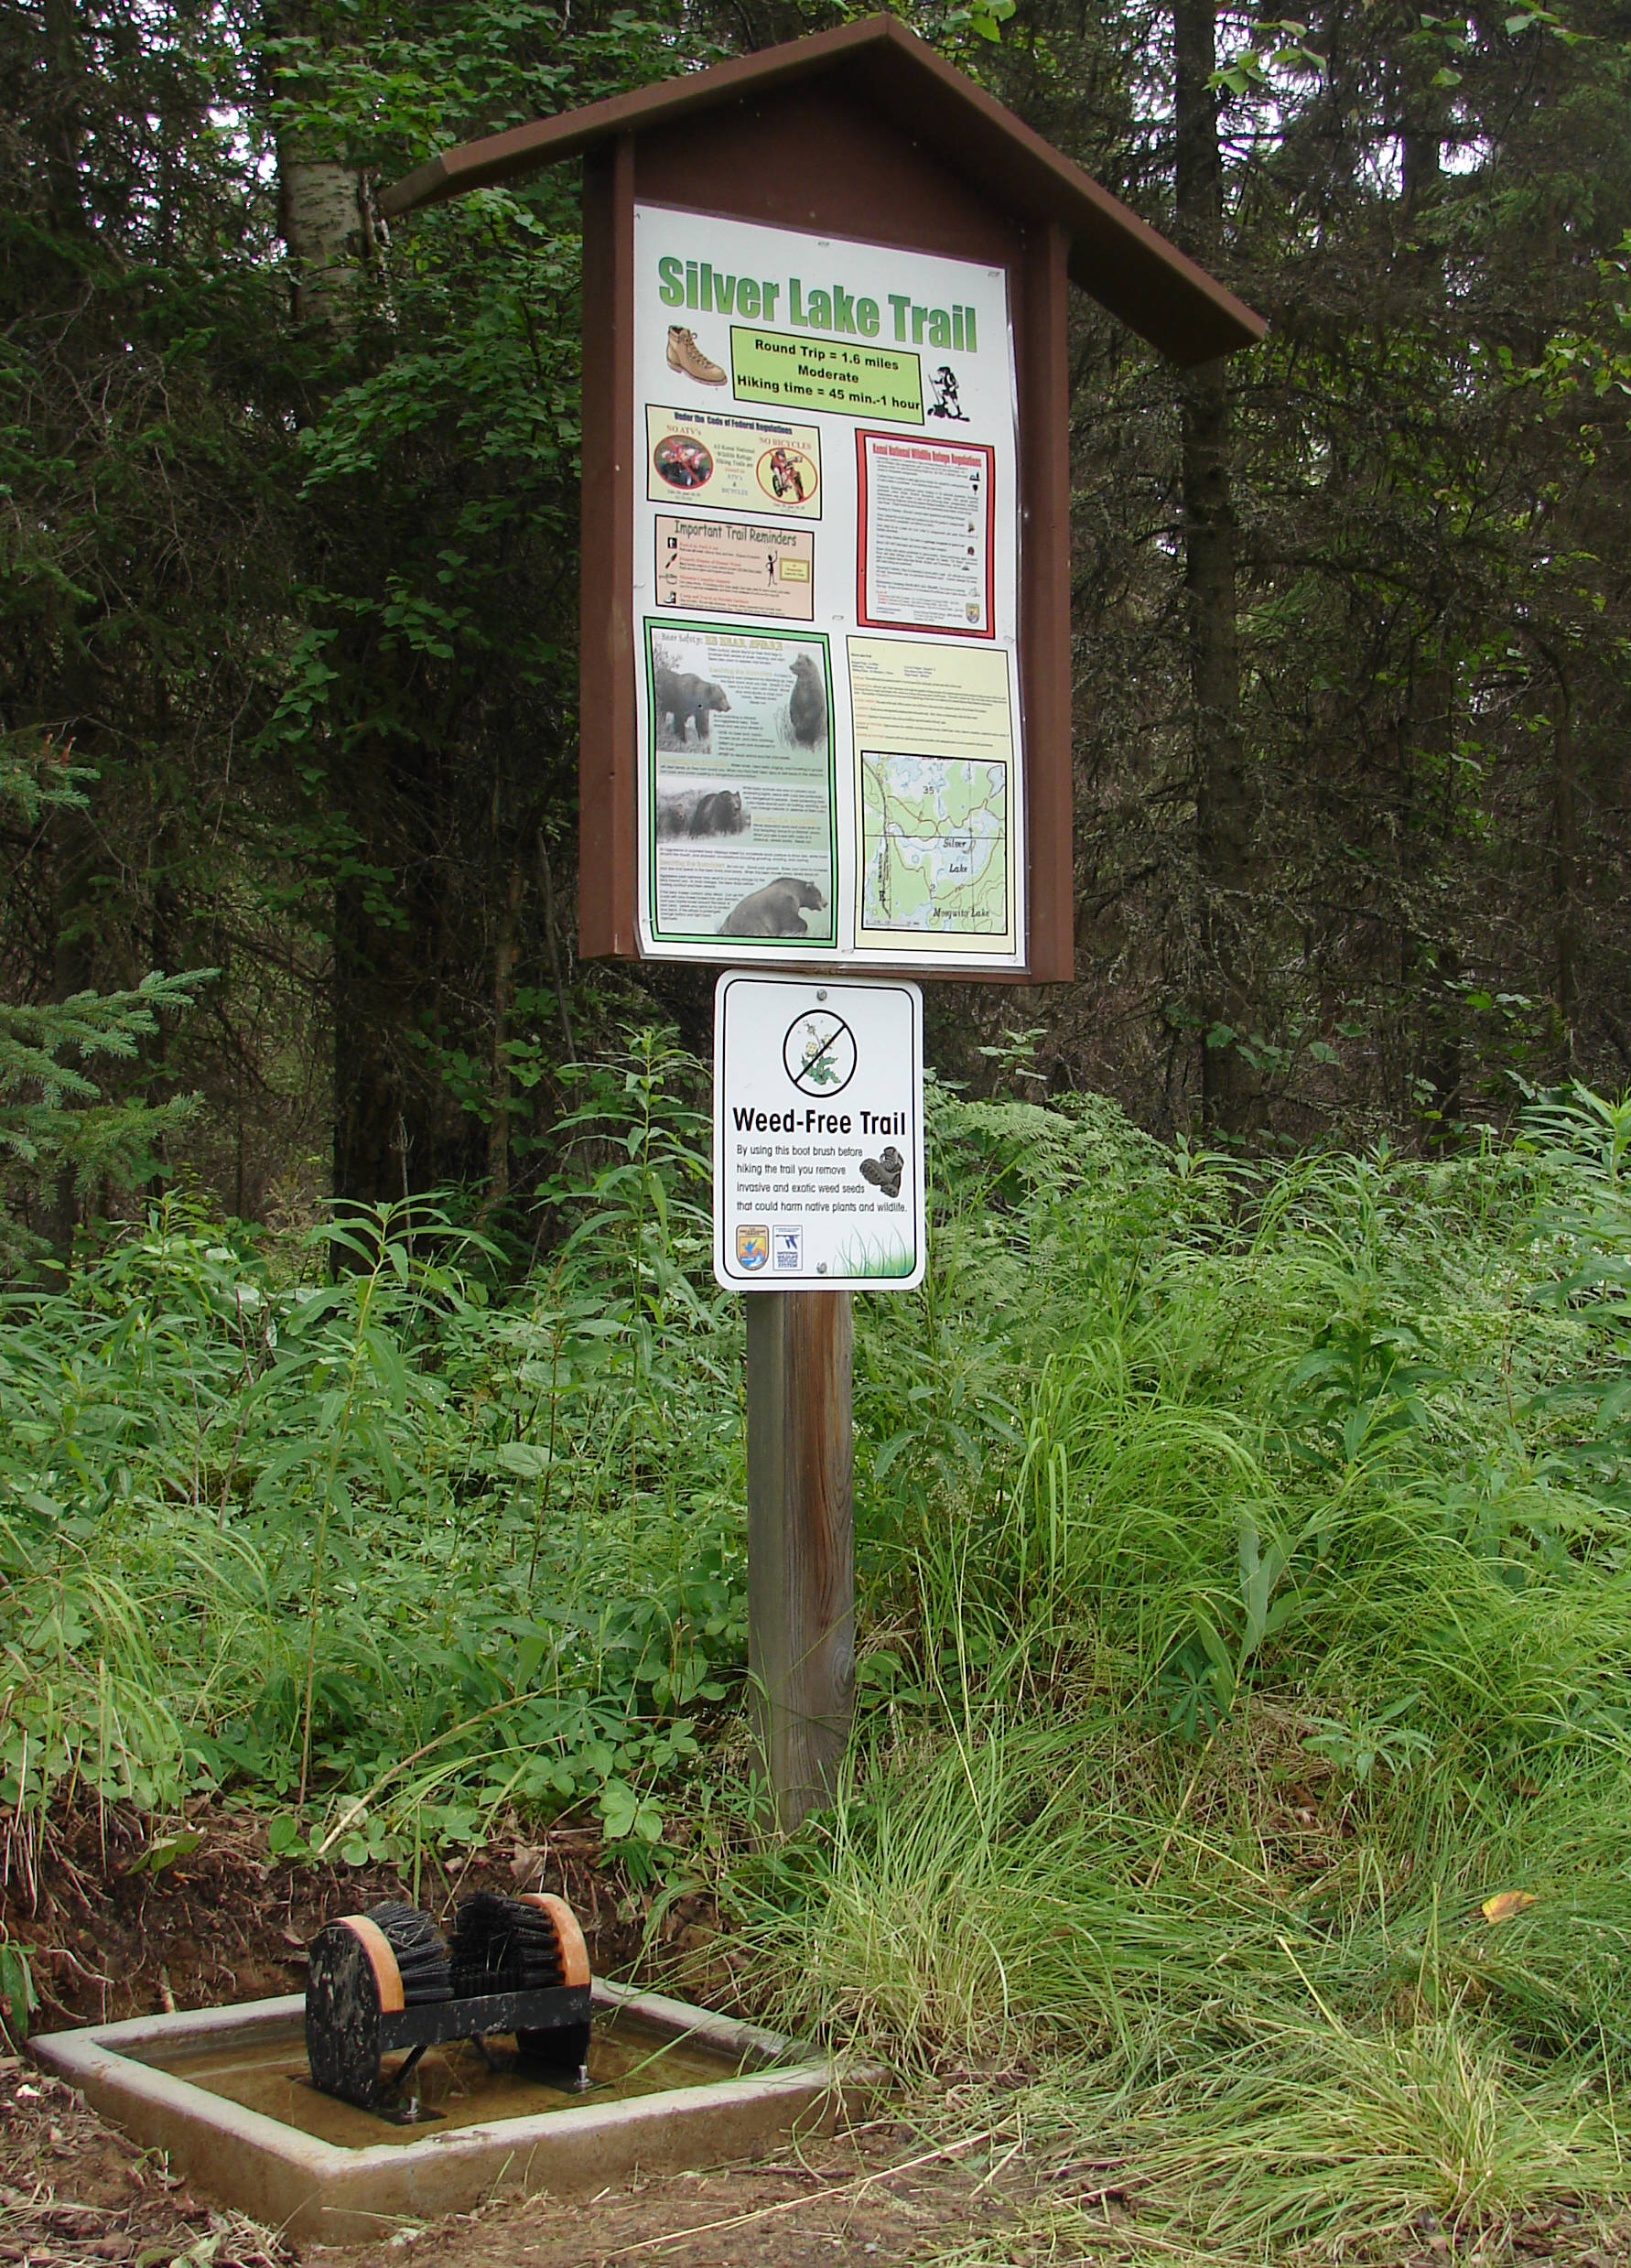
(806, 711)
(776, 911)
(684, 700)
(697, 811)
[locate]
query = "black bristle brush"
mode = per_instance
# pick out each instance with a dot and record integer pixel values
(501, 1945)
(422, 1957)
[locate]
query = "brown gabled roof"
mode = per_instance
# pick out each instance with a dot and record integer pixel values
(1116, 257)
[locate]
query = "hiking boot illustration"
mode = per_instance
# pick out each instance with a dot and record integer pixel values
(684, 354)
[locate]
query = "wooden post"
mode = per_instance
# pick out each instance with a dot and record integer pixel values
(801, 1542)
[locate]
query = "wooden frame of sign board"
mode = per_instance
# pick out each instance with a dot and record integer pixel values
(871, 183)
(861, 133)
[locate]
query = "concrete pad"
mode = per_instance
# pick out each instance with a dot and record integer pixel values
(325, 2192)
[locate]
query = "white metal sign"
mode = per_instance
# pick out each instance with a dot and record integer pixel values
(827, 594)
(819, 1133)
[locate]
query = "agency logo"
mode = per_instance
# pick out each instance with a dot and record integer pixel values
(789, 1248)
(752, 1245)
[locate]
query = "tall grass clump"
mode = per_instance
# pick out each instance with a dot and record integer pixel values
(1245, 1759)
(359, 1529)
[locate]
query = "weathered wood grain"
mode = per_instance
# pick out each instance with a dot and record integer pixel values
(801, 1541)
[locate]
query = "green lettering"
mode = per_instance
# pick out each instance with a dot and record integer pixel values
(939, 328)
(866, 315)
(957, 329)
(920, 316)
(969, 341)
(771, 293)
(671, 288)
(795, 303)
(900, 304)
(843, 309)
(746, 299)
(820, 312)
(691, 299)
(724, 292)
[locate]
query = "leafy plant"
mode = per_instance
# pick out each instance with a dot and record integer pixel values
(17, 1999)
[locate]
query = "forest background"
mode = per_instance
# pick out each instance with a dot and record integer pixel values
(288, 625)
(1239, 1773)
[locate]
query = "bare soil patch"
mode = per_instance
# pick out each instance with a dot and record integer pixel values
(74, 2193)
(125, 1917)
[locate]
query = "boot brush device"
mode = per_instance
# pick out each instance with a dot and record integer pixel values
(388, 1979)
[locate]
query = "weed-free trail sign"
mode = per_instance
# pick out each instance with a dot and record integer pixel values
(818, 1152)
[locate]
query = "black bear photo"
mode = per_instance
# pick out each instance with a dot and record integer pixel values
(806, 711)
(698, 811)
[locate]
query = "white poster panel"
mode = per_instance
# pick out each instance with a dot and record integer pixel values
(819, 1133)
(830, 761)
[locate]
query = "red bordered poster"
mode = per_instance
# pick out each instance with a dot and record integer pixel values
(926, 534)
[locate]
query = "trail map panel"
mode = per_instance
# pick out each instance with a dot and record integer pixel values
(935, 837)
(826, 593)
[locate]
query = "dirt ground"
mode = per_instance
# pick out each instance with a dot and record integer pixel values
(74, 2193)
(111, 1934)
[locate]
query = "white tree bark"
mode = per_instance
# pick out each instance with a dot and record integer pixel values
(322, 205)
(325, 227)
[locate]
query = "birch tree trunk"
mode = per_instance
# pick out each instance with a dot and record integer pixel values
(320, 203)
(322, 208)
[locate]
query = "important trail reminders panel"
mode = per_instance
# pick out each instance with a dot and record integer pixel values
(826, 593)
(818, 1118)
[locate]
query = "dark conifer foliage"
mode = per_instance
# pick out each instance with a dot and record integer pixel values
(145, 515)
(290, 508)
(1427, 462)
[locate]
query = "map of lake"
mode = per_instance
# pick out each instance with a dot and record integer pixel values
(934, 844)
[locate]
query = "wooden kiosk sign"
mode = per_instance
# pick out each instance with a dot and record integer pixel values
(826, 606)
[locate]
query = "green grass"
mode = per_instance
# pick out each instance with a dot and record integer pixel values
(1249, 1565)
(1243, 1556)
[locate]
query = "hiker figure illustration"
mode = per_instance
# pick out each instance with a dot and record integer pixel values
(945, 402)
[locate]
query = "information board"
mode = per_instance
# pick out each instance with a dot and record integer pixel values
(830, 758)
(818, 1152)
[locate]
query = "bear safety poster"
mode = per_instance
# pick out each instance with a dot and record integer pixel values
(826, 598)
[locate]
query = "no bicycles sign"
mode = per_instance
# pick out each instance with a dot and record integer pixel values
(818, 1152)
